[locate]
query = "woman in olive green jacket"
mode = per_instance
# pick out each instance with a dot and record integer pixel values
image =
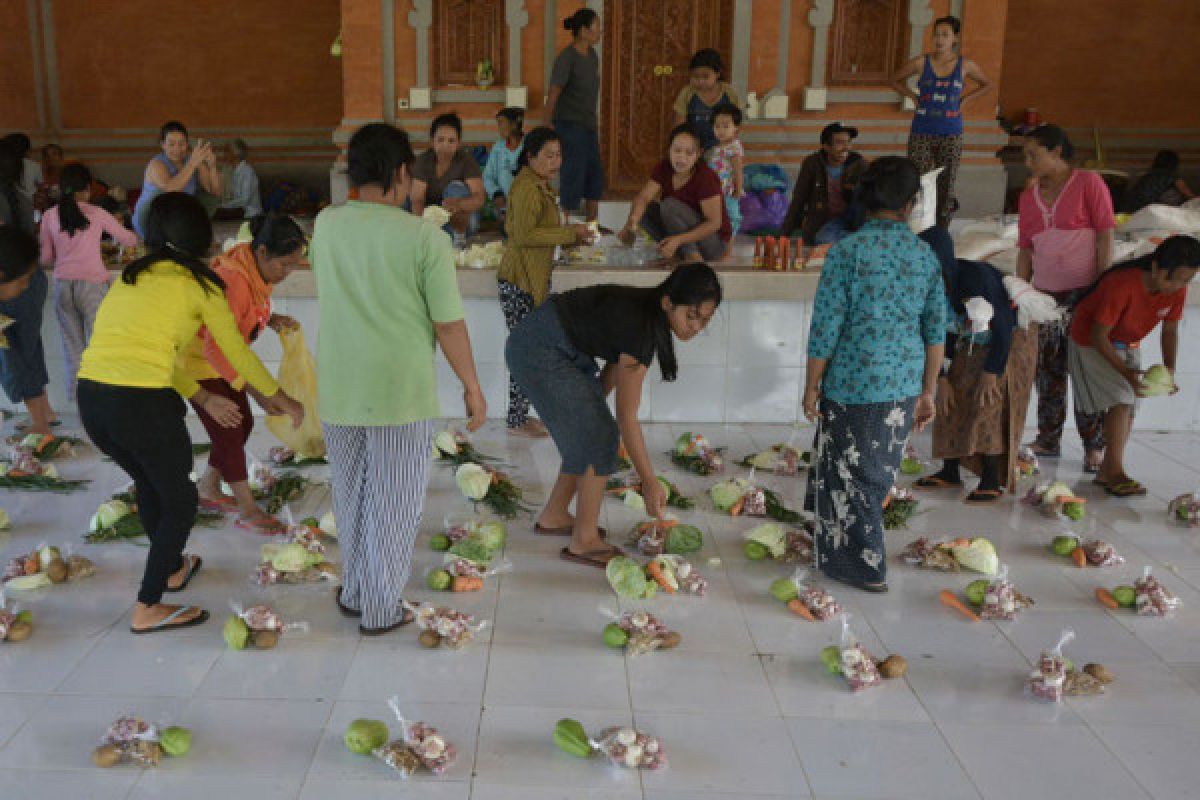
(535, 227)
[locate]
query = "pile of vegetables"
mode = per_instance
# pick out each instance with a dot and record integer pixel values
(622, 746)
(454, 448)
(853, 662)
(1186, 509)
(117, 520)
(132, 740)
(1055, 676)
(15, 625)
(808, 602)
(996, 598)
(439, 625)
(977, 555)
(694, 453)
(657, 536)
(260, 626)
(1027, 463)
(638, 632)
(293, 562)
(629, 487)
(481, 256)
(1057, 498)
(628, 579)
(738, 496)
(47, 446)
(674, 575)
(24, 472)
(479, 539)
(781, 459)
(420, 745)
(1147, 597)
(1157, 381)
(287, 457)
(44, 567)
(786, 545)
(276, 491)
(1090, 553)
(492, 488)
(459, 574)
(898, 508)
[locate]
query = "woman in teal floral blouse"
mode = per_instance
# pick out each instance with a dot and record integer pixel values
(874, 350)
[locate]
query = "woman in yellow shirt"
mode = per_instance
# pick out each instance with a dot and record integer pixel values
(131, 391)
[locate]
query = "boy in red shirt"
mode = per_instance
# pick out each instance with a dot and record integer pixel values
(1111, 320)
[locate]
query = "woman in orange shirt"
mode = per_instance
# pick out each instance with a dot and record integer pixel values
(250, 272)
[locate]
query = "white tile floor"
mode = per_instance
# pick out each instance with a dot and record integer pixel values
(743, 706)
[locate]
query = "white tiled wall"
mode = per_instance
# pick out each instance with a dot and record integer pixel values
(748, 366)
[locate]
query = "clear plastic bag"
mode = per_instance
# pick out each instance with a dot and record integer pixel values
(1151, 598)
(819, 602)
(452, 628)
(298, 377)
(419, 745)
(1047, 680)
(645, 631)
(858, 665)
(132, 740)
(628, 747)
(1001, 600)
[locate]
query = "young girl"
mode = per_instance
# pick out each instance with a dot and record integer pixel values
(502, 159)
(552, 356)
(1110, 323)
(71, 233)
(698, 101)
(250, 271)
(726, 160)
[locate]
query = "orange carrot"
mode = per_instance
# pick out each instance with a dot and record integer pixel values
(463, 583)
(961, 542)
(1079, 557)
(949, 600)
(887, 500)
(655, 571)
(1106, 599)
(799, 609)
(45, 443)
(1064, 500)
(622, 452)
(736, 508)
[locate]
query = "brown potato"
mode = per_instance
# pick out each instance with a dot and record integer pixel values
(670, 641)
(19, 631)
(265, 640)
(56, 571)
(429, 639)
(106, 755)
(1099, 672)
(893, 667)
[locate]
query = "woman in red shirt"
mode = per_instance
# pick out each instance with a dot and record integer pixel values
(1109, 324)
(682, 206)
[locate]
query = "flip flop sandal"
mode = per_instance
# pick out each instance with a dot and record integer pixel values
(984, 497)
(405, 619)
(598, 559)
(930, 482)
(1130, 488)
(567, 531)
(345, 609)
(196, 563)
(168, 622)
(272, 527)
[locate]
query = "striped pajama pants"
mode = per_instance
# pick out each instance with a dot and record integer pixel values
(379, 475)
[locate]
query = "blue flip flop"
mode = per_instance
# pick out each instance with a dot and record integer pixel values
(196, 563)
(168, 622)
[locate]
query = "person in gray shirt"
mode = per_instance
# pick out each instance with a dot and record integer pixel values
(571, 111)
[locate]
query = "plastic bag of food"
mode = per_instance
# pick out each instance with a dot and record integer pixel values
(131, 739)
(298, 377)
(637, 632)
(858, 665)
(1185, 509)
(1152, 599)
(1101, 554)
(627, 747)
(1047, 679)
(673, 573)
(420, 745)
(1001, 600)
(440, 625)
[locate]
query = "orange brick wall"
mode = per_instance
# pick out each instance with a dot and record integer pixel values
(1109, 63)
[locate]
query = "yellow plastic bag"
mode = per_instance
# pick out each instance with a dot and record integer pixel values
(298, 377)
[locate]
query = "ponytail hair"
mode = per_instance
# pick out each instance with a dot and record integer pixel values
(1051, 136)
(583, 18)
(1175, 252)
(535, 140)
(177, 230)
(74, 178)
(278, 233)
(687, 285)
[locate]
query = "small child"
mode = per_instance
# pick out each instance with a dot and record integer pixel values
(502, 159)
(1110, 321)
(726, 160)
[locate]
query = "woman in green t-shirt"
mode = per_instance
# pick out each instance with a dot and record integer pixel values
(387, 291)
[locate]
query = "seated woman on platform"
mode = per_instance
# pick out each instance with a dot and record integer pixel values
(982, 397)
(682, 206)
(446, 175)
(176, 169)
(1160, 184)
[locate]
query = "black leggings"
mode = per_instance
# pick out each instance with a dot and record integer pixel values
(143, 431)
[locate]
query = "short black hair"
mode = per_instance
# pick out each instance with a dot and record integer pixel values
(172, 126)
(686, 129)
(1165, 160)
(707, 57)
(888, 184)
(1051, 136)
(374, 154)
(515, 115)
(834, 128)
(451, 120)
(952, 21)
(728, 110)
(583, 18)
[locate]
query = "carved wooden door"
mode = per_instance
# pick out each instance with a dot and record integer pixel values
(868, 41)
(465, 33)
(647, 46)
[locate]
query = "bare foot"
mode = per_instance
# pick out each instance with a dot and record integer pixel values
(555, 521)
(145, 616)
(587, 541)
(532, 429)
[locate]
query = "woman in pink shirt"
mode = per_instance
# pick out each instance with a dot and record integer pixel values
(1065, 236)
(71, 233)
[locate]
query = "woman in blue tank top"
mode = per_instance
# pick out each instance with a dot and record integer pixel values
(937, 129)
(174, 170)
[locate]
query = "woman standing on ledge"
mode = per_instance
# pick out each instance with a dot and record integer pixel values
(937, 128)
(571, 110)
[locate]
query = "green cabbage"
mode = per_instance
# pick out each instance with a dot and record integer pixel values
(771, 536)
(365, 735)
(726, 493)
(25, 583)
(473, 481)
(979, 555)
(1157, 381)
(493, 534)
(236, 633)
(627, 578)
(683, 444)
(291, 557)
(176, 741)
(683, 539)
(473, 550)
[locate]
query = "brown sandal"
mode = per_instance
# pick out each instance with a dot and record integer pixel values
(984, 497)
(539, 529)
(936, 482)
(405, 619)
(595, 558)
